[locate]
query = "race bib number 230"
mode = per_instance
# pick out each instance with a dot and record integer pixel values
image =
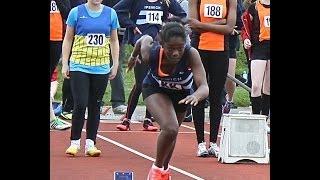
(95, 40)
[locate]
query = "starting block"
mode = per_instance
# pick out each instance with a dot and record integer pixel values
(123, 175)
(107, 114)
(244, 137)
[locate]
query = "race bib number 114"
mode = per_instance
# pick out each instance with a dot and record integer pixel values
(154, 17)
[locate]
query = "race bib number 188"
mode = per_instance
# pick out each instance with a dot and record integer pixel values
(95, 40)
(213, 10)
(154, 17)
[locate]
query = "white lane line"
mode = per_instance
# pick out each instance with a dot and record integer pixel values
(189, 127)
(137, 131)
(118, 121)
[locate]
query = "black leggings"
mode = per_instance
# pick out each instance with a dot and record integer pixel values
(216, 65)
(249, 68)
(87, 90)
(140, 72)
(55, 52)
(67, 100)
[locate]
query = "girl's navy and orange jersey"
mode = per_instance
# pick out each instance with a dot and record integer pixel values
(180, 79)
(211, 11)
(56, 23)
(92, 38)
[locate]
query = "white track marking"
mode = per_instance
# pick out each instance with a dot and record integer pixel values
(147, 132)
(189, 127)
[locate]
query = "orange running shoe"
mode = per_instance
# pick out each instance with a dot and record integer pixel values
(148, 126)
(155, 173)
(166, 174)
(125, 125)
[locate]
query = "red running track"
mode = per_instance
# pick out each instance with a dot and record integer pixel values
(115, 158)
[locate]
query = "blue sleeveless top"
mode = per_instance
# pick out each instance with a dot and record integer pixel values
(90, 50)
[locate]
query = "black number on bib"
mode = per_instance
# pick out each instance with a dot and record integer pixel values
(213, 10)
(154, 17)
(95, 39)
(53, 7)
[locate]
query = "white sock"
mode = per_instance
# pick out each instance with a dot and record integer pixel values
(227, 98)
(156, 167)
(75, 142)
(89, 143)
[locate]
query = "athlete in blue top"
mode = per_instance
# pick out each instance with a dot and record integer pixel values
(91, 28)
(167, 88)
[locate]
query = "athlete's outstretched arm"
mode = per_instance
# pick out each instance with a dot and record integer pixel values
(142, 47)
(199, 76)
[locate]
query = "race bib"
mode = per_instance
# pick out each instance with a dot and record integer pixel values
(168, 85)
(98, 40)
(266, 21)
(154, 17)
(53, 7)
(213, 10)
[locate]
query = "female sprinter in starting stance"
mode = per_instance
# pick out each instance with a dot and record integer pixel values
(167, 88)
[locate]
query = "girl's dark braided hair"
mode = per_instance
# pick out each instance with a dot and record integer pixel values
(172, 29)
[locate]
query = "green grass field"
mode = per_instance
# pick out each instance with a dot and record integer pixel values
(241, 96)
